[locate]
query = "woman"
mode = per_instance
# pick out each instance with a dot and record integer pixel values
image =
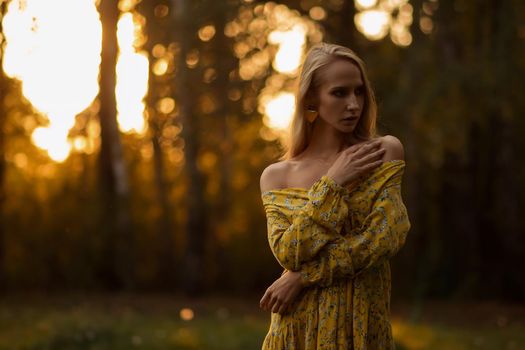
(335, 214)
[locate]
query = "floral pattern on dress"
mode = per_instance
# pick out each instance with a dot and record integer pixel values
(340, 240)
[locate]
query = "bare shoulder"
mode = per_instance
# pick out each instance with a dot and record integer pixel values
(394, 148)
(274, 176)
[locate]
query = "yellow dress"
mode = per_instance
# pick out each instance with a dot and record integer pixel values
(340, 239)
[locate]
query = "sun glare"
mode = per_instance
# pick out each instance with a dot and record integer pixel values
(373, 23)
(376, 18)
(132, 79)
(278, 110)
(53, 47)
(288, 34)
(291, 45)
(365, 4)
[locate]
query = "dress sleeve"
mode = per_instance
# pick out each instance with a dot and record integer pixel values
(318, 222)
(383, 233)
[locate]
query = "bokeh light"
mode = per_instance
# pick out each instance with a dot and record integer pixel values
(377, 18)
(58, 68)
(278, 110)
(374, 24)
(186, 314)
(365, 4)
(291, 44)
(207, 33)
(132, 78)
(317, 13)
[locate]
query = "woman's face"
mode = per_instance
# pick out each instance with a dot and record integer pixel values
(340, 95)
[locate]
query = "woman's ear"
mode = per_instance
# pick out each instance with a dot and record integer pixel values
(310, 107)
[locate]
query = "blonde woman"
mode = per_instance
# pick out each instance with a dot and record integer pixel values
(335, 214)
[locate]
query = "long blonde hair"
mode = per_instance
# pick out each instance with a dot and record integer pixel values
(300, 129)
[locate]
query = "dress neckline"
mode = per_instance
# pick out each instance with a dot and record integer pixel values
(304, 189)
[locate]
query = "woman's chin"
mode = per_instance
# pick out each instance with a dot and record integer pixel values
(347, 129)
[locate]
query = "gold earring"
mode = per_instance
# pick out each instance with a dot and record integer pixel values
(311, 115)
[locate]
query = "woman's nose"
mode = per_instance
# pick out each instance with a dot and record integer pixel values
(351, 103)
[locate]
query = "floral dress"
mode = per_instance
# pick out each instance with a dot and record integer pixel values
(340, 239)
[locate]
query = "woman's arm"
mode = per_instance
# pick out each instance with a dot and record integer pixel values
(384, 233)
(322, 217)
(321, 270)
(313, 226)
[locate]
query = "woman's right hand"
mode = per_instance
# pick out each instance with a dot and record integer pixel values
(355, 161)
(282, 292)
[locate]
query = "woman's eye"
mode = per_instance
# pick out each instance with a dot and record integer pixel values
(338, 93)
(359, 91)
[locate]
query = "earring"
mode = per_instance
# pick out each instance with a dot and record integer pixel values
(311, 114)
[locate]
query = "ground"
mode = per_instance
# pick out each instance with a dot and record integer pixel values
(154, 322)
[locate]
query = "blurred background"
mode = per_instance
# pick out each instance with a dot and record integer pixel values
(133, 134)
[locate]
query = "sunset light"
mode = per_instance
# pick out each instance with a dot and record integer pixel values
(365, 4)
(59, 68)
(291, 44)
(132, 78)
(279, 110)
(377, 18)
(157, 157)
(289, 35)
(373, 23)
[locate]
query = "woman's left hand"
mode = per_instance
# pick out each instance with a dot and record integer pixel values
(282, 292)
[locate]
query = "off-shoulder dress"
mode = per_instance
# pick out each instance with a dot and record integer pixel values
(340, 239)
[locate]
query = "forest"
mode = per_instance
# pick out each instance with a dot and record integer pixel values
(133, 135)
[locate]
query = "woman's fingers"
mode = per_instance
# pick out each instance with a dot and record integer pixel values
(353, 148)
(358, 146)
(371, 156)
(372, 165)
(272, 303)
(264, 300)
(281, 293)
(366, 149)
(282, 308)
(351, 164)
(268, 300)
(277, 305)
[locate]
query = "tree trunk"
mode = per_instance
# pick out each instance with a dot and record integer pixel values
(226, 62)
(114, 182)
(3, 115)
(349, 35)
(197, 218)
(504, 202)
(165, 228)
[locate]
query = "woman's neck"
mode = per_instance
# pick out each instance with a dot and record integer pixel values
(325, 142)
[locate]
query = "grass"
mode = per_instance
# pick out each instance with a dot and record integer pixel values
(154, 322)
(461, 326)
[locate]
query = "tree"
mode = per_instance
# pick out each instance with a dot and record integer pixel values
(197, 210)
(157, 33)
(118, 269)
(3, 114)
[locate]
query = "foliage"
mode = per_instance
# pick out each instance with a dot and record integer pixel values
(453, 96)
